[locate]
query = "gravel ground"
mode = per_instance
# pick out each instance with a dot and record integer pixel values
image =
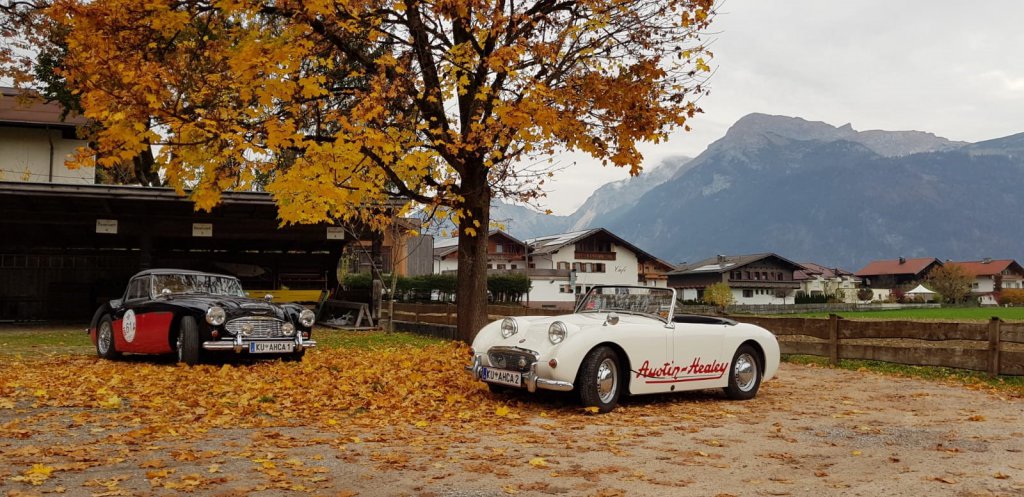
(810, 431)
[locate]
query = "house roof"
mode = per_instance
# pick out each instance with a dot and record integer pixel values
(895, 266)
(989, 267)
(723, 263)
(551, 243)
(446, 246)
(28, 108)
(811, 269)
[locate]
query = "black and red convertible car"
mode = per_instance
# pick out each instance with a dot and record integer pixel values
(196, 315)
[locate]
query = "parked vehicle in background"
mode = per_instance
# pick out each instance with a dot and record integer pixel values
(197, 315)
(624, 340)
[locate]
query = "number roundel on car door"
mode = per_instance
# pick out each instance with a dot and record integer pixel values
(128, 326)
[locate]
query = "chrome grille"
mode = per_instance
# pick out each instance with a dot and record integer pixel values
(512, 360)
(261, 327)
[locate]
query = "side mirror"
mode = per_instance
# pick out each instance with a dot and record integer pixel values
(612, 319)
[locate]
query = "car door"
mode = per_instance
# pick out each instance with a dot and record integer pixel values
(141, 325)
(647, 342)
(698, 350)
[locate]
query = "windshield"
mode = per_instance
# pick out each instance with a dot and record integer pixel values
(197, 283)
(629, 299)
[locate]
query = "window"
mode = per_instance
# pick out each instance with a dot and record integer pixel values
(564, 288)
(599, 267)
(579, 289)
(501, 266)
(490, 266)
(576, 266)
(499, 249)
(563, 265)
(748, 293)
(139, 289)
(974, 285)
(514, 266)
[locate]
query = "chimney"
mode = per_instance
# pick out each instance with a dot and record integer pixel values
(987, 260)
(903, 260)
(721, 259)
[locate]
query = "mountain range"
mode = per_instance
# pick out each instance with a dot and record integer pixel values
(810, 191)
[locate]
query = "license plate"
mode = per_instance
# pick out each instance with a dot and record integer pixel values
(271, 347)
(511, 378)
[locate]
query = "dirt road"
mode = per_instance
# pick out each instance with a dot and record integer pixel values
(810, 431)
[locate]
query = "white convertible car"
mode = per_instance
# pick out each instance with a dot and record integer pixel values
(624, 340)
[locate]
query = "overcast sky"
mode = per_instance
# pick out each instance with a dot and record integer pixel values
(955, 69)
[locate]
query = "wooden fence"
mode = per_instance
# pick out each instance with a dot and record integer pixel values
(995, 347)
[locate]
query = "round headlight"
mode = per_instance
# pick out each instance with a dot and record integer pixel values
(288, 329)
(509, 327)
(556, 332)
(307, 318)
(216, 315)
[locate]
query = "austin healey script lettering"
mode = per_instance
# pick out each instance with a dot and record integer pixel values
(671, 373)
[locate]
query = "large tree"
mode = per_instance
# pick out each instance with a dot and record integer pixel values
(342, 105)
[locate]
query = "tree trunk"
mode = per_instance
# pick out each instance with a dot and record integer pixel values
(471, 285)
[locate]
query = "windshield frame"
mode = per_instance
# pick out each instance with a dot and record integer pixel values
(157, 284)
(600, 290)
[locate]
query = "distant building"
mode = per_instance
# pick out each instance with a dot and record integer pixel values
(35, 143)
(991, 276)
(564, 266)
(819, 281)
(892, 273)
(754, 279)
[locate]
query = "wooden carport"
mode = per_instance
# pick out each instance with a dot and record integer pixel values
(66, 248)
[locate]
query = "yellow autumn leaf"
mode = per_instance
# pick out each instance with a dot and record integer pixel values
(502, 411)
(538, 462)
(112, 402)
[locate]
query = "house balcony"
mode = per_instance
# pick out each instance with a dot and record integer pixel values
(594, 256)
(559, 274)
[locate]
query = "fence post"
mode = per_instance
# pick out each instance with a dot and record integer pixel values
(993, 346)
(447, 313)
(833, 339)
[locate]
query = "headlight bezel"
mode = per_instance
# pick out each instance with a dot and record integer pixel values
(557, 332)
(307, 318)
(509, 327)
(216, 315)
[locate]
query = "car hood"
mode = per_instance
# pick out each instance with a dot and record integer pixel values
(533, 330)
(233, 306)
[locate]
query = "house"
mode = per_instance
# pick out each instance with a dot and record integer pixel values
(504, 253)
(564, 266)
(892, 273)
(35, 142)
(588, 258)
(991, 276)
(754, 279)
(820, 281)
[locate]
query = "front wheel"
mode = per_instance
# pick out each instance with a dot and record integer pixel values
(105, 339)
(188, 341)
(744, 375)
(599, 379)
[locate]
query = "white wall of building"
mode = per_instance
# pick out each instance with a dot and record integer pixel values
(761, 296)
(25, 156)
(849, 287)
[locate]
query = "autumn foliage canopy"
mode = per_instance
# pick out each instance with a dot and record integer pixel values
(336, 107)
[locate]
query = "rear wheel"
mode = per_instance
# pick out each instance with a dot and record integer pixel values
(105, 339)
(600, 380)
(188, 341)
(744, 375)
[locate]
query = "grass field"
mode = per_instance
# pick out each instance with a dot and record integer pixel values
(1014, 384)
(27, 340)
(940, 314)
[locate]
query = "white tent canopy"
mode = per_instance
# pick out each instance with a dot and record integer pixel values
(920, 290)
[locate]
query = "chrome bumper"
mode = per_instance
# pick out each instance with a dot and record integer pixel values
(239, 344)
(530, 378)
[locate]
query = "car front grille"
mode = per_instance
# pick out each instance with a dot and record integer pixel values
(513, 360)
(261, 327)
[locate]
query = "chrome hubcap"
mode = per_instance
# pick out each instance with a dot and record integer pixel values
(106, 336)
(607, 380)
(745, 372)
